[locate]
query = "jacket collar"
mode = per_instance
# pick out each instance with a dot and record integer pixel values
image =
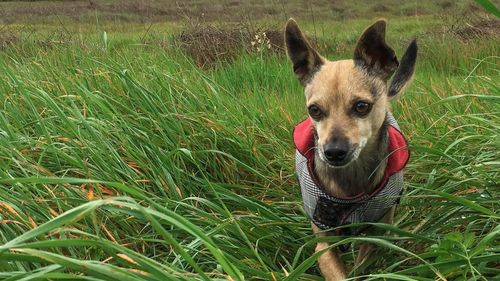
(303, 138)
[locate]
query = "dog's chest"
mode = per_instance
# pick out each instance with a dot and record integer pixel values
(327, 211)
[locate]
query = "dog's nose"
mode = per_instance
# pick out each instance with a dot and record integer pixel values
(335, 152)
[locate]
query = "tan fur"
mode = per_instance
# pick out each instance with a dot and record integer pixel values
(335, 87)
(333, 188)
(329, 262)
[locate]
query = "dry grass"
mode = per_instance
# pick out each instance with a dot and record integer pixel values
(467, 26)
(208, 45)
(7, 39)
(478, 29)
(218, 10)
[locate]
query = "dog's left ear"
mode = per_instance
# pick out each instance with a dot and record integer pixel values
(373, 54)
(404, 73)
(306, 61)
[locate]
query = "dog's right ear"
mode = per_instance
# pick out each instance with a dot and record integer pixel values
(306, 61)
(373, 53)
(404, 73)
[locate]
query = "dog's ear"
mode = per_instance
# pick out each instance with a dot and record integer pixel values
(306, 61)
(373, 54)
(404, 73)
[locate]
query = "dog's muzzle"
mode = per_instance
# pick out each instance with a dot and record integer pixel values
(337, 154)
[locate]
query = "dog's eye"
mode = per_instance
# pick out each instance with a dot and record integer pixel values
(315, 112)
(362, 108)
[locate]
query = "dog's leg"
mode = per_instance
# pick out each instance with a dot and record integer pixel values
(365, 250)
(329, 262)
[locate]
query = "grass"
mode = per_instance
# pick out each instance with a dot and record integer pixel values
(122, 160)
(83, 11)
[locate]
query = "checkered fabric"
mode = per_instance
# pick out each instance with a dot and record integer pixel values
(361, 208)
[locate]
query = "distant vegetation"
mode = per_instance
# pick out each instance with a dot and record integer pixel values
(222, 10)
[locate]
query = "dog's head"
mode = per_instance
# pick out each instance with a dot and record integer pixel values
(348, 99)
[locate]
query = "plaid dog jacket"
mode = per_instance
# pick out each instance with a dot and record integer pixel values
(327, 211)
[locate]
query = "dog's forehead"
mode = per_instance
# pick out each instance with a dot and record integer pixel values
(338, 79)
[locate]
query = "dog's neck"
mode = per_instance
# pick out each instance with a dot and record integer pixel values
(362, 175)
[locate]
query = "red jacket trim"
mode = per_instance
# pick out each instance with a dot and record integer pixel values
(303, 138)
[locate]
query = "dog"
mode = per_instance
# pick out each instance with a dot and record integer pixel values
(349, 151)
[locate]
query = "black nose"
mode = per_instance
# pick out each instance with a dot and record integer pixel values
(336, 152)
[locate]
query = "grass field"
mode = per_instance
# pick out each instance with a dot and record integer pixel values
(124, 159)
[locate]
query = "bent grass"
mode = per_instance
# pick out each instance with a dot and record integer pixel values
(133, 164)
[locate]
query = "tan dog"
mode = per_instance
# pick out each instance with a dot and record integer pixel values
(349, 151)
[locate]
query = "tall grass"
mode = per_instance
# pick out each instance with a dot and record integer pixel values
(131, 163)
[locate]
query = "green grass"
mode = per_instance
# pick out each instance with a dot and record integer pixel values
(124, 161)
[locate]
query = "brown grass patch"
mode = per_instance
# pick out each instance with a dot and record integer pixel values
(479, 29)
(209, 45)
(7, 39)
(468, 27)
